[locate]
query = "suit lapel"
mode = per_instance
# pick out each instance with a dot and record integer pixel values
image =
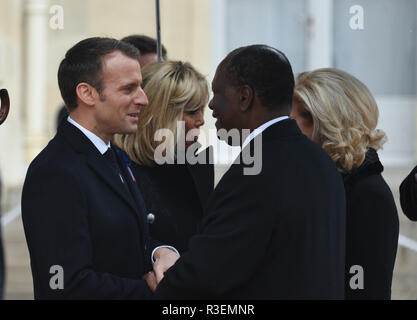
(95, 161)
(112, 180)
(136, 195)
(134, 199)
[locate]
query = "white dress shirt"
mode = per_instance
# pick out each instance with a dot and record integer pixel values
(260, 129)
(98, 142)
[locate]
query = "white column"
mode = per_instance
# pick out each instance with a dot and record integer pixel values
(320, 34)
(223, 153)
(36, 32)
(218, 38)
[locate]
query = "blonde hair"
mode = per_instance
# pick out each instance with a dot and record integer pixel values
(344, 115)
(172, 88)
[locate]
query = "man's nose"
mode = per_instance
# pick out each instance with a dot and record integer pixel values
(141, 98)
(210, 105)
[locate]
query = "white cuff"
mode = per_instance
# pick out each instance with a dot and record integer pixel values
(169, 247)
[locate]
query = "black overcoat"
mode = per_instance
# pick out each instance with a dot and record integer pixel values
(372, 229)
(77, 214)
(279, 234)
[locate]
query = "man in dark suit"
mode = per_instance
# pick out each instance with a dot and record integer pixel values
(274, 233)
(84, 218)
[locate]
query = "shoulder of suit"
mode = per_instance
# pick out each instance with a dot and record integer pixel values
(57, 155)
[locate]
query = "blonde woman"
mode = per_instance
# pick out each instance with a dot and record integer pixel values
(174, 190)
(338, 112)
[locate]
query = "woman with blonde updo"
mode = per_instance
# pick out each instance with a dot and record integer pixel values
(174, 188)
(338, 112)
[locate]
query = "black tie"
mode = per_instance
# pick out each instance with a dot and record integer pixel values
(110, 156)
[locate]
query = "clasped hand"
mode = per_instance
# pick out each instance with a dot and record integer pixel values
(164, 259)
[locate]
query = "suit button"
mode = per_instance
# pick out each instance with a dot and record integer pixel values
(151, 218)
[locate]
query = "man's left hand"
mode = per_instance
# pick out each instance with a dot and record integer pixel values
(164, 259)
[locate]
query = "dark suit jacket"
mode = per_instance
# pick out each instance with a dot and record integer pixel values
(371, 230)
(175, 194)
(77, 214)
(408, 195)
(276, 235)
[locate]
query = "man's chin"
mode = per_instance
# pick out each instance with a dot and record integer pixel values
(130, 129)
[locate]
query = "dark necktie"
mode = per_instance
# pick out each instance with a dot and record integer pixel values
(110, 157)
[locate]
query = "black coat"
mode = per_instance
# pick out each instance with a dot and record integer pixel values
(371, 229)
(276, 235)
(77, 214)
(408, 195)
(175, 194)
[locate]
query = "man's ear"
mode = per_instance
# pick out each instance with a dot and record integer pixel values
(246, 97)
(87, 93)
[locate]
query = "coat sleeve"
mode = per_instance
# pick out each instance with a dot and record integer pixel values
(408, 195)
(231, 246)
(56, 223)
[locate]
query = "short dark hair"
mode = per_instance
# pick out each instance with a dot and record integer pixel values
(144, 44)
(266, 70)
(83, 63)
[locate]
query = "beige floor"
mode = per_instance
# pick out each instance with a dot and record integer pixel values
(19, 279)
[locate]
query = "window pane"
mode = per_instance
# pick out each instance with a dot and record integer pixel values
(383, 54)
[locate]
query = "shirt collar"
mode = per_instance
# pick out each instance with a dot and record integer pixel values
(261, 128)
(101, 146)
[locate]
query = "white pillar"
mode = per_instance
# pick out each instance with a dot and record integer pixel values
(36, 32)
(218, 38)
(320, 34)
(223, 153)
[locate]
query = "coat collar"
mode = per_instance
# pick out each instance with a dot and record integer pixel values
(78, 140)
(371, 165)
(96, 140)
(280, 130)
(262, 128)
(81, 144)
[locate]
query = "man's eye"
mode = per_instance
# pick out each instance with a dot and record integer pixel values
(129, 89)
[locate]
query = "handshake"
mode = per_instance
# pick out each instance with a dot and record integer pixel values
(165, 258)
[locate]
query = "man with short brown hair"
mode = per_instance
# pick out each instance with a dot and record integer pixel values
(83, 215)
